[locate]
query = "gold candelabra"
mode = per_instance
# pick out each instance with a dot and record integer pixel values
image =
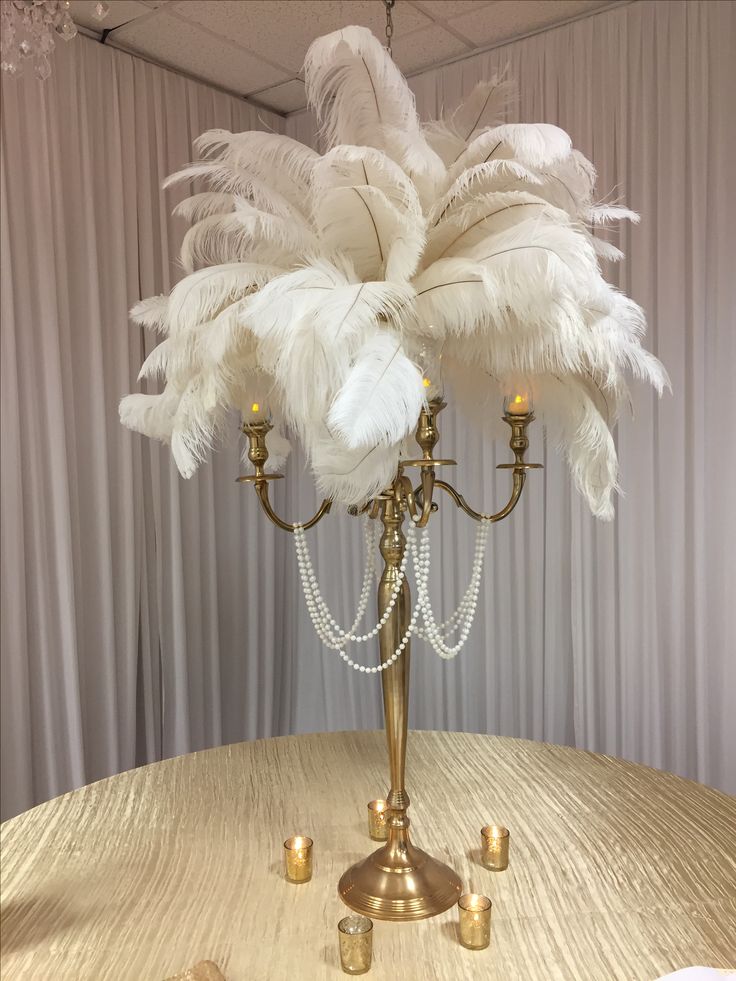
(399, 881)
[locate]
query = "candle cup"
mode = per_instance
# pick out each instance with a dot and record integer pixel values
(495, 847)
(298, 858)
(475, 921)
(355, 933)
(378, 820)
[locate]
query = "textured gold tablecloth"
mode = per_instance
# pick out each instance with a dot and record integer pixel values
(617, 871)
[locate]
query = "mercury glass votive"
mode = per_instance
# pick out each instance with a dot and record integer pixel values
(495, 847)
(378, 820)
(298, 858)
(355, 933)
(475, 921)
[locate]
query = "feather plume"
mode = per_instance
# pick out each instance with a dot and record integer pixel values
(152, 415)
(464, 226)
(203, 294)
(204, 204)
(352, 477)
(361, 223)
(356, 89)
(486, 105)
(602, 214)
(152, 313)
(353, 166)
(381, 398)
(324, 276)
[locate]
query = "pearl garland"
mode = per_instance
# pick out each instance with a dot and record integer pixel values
(334, 637)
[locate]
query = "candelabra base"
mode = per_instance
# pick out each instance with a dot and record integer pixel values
(400, 882)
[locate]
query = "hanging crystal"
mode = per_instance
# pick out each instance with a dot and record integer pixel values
(101, 10)
(27, 30)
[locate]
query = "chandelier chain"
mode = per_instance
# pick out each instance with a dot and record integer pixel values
(389, 4)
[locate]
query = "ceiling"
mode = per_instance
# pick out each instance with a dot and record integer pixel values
(255, 48)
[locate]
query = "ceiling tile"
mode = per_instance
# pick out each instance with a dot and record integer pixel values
(426, 47)
(444, 9)
(82, 12)
(282, 30)
(288, 97)
(179, 44)
(509, 18)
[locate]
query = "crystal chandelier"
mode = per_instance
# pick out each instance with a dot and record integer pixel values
(29, 28)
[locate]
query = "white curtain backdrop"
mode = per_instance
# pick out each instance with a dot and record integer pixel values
(144, 616)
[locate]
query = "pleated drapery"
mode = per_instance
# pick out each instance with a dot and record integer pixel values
(144, 616)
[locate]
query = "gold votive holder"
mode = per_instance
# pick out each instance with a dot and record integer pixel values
(355, 933)
(475, 921)
(298, 858)
(495, 847)
(378, 820)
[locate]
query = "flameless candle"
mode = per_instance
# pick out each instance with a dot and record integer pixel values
(518, 405)
(378, 820)
(475, 921)
(495, 852)
(298, 858)
(356, 943)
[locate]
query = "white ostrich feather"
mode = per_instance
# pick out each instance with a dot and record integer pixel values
(380, 401)
(204, 204)
(229, 178)
(354, 166)
(493, 177)
(244, 234)
(462, 227)
(602, 214)
(202, 295)
(533, 145)
(352, 476)
(362, 224)
(152, 313)
(312, 360)
(607, 250)
(356, 89)
(323, 276)
(487, 104)
(152, 415)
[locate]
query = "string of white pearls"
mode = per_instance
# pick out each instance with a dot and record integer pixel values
(334, 637)
(328, 630)
(462, 618)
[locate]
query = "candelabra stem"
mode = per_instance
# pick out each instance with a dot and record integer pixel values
(396, 678)
(398, 881)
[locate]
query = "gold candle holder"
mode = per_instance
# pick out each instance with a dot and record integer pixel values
(356, 943)
(495, 850)
(475, 921)
(298, 858)
(378, 820)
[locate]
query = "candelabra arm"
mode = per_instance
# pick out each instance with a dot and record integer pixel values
(257, 432)
(419, 503)
(518, 486)
(519, 444)
(262, 491)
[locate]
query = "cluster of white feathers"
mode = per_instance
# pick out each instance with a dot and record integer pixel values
(317, 284)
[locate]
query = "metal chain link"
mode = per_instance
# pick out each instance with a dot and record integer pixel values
(389, 24)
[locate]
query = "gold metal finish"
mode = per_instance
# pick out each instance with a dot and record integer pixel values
(519, 444)
(258, 455)
(495, 847)
(298, 858)
(475, 921)
(399, 881)
(355, 935)
(378, 820)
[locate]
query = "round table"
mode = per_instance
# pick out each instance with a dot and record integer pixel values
(616, 871)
